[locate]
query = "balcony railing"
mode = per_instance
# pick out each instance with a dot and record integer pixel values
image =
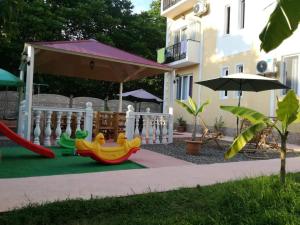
(175, 52)
(184, 53)
(172, 53)
(168, 3)
(173, 8)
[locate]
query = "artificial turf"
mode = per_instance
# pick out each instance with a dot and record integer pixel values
(19, 162)
(259, 201)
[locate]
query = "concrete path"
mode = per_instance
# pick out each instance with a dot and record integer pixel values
(152, 159)
(22, 191)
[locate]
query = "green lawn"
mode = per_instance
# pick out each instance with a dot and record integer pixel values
(258, 201)
(19, 162)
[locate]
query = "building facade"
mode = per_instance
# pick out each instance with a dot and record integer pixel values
(212, 38)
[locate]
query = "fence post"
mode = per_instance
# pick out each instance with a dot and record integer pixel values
(88, 120)
(129, 125)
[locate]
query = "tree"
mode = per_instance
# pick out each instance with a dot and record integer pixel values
(108, 21)
(288, 112)
(192, 108)
(282, 23)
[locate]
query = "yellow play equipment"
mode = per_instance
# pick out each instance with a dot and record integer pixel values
(105, 154)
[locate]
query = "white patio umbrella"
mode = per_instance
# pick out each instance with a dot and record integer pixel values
(243, 82)
(141, 94)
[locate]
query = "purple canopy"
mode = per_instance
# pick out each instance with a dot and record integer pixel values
(93, 60)
(142, 94)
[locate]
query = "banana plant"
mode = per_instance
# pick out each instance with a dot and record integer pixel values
(191, 107)
(287, 112)
(283, 22)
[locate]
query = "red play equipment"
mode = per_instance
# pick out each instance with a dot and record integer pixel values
(88, 153)
(24, 143)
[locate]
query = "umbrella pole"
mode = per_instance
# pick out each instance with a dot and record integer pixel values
(237, 118)
(120, 97)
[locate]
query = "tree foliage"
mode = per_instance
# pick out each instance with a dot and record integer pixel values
(108, 21)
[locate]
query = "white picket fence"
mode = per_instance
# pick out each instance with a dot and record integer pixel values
(153, 128)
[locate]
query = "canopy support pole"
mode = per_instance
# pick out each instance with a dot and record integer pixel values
(120, 97)
(29, 91)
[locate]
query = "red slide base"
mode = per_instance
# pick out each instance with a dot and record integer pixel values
(24, 143)
(88, 153)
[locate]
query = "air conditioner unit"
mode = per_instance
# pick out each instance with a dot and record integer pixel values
(200, 8)
(266, 66)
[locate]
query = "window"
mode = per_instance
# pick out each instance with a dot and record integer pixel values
(227, 20)
(176, 37)
(224, 72)
(239, 69)
(183, 34)
(291, 73)
(242, 14)
(184, 87)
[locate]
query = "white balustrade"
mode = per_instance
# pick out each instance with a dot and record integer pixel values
(37, 129)
(156, 127)
(68, 129)
(144, 130)
(48, 132)
(61, 114)
(88, 120)
(58, 126)
(157, 130)
(136, 129)
(150, 129)
(78, 119)
(164, 131)
(130, 123)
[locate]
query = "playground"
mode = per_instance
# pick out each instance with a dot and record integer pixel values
(18, 162)
(58, 152)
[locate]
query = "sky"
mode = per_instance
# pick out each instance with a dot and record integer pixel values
(141, 5)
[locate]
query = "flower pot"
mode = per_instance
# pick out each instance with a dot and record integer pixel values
(193, 147)
(181, 128)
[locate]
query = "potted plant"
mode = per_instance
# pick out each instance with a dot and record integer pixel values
(193, 146)
(181, 124)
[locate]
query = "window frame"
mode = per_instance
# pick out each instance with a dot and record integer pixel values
(241, 14)
(224, 94)
(189, 86)
(179, 30)
(227, 19)
(237, 71)
(283, 71)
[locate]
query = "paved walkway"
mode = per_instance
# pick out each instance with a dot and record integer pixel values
(22, 191)
(152, 159)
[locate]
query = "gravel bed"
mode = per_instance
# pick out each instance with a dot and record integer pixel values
(210, 153)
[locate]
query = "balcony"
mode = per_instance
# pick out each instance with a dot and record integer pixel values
(173, 8)
(185, 53)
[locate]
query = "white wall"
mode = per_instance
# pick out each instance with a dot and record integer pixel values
(240, 40)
